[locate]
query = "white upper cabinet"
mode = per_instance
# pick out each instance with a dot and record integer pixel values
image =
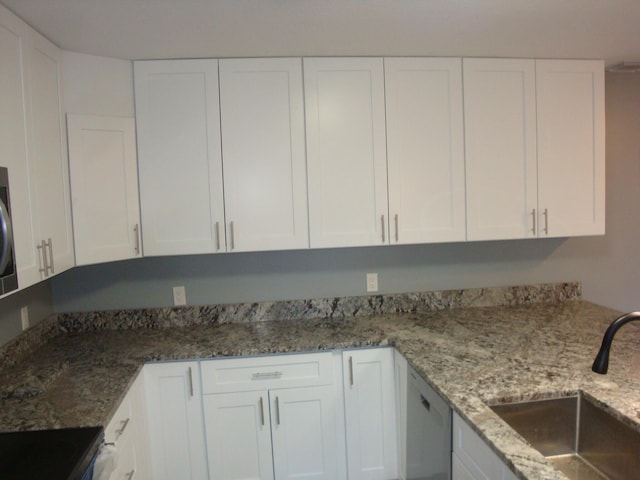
(47, 160)
(13, 154)
(263, 150)
(500, 141)
(104, 187)
(425, 149)
(571, 156)
(346, 151)
(179, 158)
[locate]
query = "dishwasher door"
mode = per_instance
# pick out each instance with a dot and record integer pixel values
(428, 431)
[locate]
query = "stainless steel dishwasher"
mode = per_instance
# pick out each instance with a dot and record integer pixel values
(428, 431)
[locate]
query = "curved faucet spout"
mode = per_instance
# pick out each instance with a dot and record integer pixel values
(601, 363)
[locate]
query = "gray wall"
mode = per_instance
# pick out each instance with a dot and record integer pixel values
(608, 266)
(39, 302)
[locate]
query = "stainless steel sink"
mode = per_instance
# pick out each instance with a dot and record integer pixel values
(578, 437)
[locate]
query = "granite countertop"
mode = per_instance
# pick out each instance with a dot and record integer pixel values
(474, 356)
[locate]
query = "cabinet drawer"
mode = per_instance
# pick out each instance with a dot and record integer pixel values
(260, 373)
(120, 426)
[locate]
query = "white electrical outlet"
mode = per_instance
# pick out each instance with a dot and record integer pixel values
(179, 296)
(24, 317)
(372, 282)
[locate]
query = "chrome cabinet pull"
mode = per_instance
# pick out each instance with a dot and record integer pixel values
(123, 427)
(425, 402)
(50, 244)
(351, 382)
(136, 233)
(190, 383)
(277, 411)
(43, 257)
(217, 236)
(397, 233)
(130, 475)
(261, 411)
(382, 224)
(259, 375)
(232, 233)
(546, 221)
(533, 218)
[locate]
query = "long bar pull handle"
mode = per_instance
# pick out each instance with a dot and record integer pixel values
(546, 221)
(43, 266)
(217, 236)
(274, 374)
(136, 233)
(277, 411)
(533, 217)
(261, 411)
(190, 382)
(351, 381)
(382, 224)
(232, 233)
(397, 232)
(50, 244)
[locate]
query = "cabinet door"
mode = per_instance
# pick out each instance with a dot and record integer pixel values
(179, 159)
(48, 165)
(346, 151)
(238, 434)
(13, 154)
(370, 414)
(500, 142)
(263, 149)
(571, 170)
(175, 421)
(104, 184)
(425, 149)
(304, 433)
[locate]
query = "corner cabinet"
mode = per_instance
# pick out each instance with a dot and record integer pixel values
(346, 152)
(104, 188)
(263, 151)
(175, 421)
(179, 158)
(425, 149)
(370, 411)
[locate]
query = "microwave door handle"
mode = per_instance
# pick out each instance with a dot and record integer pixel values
(7, 236)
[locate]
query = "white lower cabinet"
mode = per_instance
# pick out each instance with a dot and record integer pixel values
(175, 421)
(369, 398)
(127, 431)
(264, 432)
(472, 459)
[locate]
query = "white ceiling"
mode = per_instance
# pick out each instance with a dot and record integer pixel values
(143, 29)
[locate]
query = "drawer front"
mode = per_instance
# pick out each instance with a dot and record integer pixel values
(262, 373)
(126, 460)
(120, 425)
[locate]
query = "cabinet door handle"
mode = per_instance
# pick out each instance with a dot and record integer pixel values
(261, 411)
(546, 221)
(232, 234)
(50, 244)
(217, 236)
(136, 233)
(382, 224)
(533, 219)
(130, 475)
(425, 402)
(259, 375)
(190, 382)
(351, 382)
(123, 427)
(43, 256)
(395, 219)
(277, 411)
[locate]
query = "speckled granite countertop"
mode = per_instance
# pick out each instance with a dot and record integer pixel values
(473, 355)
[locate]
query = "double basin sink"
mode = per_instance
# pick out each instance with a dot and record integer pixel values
(577, 436)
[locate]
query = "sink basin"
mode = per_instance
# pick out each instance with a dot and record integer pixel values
(578, 437)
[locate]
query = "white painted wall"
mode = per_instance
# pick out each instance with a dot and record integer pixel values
(608, 267)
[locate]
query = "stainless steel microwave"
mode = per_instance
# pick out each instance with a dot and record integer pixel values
(8, 273)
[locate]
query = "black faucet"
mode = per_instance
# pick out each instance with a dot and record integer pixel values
(601, 363)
